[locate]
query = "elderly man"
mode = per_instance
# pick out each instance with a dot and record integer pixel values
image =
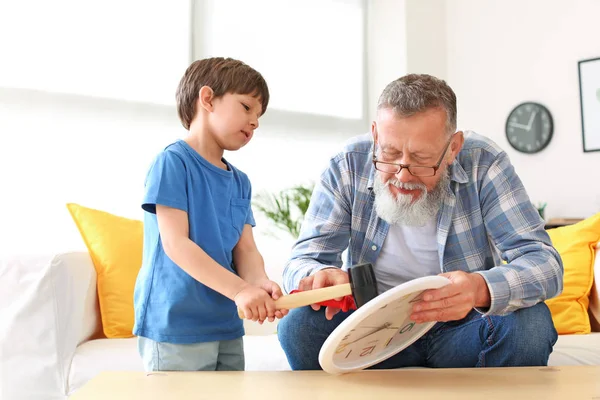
(417, 198)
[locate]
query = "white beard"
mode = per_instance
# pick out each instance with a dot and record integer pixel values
(402, 210)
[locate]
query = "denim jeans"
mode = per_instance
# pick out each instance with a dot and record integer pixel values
(522, 338)
(227, 355)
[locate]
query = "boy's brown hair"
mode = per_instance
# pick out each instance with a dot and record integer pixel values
(222, 75)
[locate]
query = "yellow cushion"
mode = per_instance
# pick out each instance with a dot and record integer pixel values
(115, 246)
(576, 246)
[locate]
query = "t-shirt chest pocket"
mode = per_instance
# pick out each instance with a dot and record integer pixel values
(239, 213)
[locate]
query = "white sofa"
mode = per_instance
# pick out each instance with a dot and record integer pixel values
(50, 327)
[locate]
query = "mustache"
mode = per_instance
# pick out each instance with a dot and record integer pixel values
(406, 186)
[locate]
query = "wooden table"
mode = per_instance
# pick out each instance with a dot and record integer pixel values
(573, 382)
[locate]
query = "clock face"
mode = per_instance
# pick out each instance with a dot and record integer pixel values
(529, 127)
(378, 329)
(377, 332)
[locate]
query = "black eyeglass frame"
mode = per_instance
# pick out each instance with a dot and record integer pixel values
(408, 167)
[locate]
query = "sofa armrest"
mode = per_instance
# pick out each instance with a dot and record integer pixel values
(79, 309)
(46, 308)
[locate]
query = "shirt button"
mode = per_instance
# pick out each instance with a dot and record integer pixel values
(373, 247)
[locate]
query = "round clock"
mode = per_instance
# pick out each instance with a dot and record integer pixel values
(379, 329)
(529, 127)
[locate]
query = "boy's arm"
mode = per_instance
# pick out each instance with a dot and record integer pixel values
(251, 267)
(247, 259)
(174, 231)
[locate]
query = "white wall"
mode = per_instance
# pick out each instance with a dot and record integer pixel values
(425, 37)
(501, 53)
(386, 47)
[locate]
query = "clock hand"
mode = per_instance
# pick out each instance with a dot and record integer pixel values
(517, 125)
(385, 326)
(533, 114)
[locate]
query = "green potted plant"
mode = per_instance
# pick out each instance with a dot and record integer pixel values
(286, 208)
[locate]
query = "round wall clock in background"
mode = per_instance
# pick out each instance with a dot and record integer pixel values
(529, 127)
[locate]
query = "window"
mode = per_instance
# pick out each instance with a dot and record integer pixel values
(127, 49)
(311, 52)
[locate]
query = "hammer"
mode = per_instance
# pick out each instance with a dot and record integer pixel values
(362, 287)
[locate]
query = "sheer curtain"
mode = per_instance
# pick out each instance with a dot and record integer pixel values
(311, 52)
(120, 49)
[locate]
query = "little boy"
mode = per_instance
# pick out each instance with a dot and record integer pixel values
(200, 260)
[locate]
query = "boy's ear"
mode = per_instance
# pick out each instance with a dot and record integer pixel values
(205, 98)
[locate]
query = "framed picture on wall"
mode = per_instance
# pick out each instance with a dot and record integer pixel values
(589, 94)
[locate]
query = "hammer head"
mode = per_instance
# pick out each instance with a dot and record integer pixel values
(363, 283)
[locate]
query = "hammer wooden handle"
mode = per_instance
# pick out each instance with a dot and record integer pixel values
(308, 297)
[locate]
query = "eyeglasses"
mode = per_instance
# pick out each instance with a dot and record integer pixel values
(415, 170)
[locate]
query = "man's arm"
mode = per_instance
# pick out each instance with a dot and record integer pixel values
(533, 271)
(325, 230)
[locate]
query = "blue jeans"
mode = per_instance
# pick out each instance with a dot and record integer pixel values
(226, 355)
(522, 338)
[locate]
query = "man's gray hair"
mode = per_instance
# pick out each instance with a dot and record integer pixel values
(415, 93)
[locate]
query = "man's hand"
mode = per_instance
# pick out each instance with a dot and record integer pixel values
(324, 278)
(275, 291)
(453, 301)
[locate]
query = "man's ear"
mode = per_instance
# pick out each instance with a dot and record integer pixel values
(205, 98)
(457, 144)
(374, 131)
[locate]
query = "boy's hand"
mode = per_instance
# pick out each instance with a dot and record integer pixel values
(256, 303)
(275, 291)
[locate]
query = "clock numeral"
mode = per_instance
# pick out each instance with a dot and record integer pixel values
(367, 350)
(341, 348)
(406, 328)
(348, 354)
(388, 342)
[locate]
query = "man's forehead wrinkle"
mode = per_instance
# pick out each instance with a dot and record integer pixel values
(388, 148)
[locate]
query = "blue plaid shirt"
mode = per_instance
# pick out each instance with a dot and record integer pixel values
(486, 217)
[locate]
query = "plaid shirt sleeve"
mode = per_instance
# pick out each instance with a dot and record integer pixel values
(326, 229)
(533, 271)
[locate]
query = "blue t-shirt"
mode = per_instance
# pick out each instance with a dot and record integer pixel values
(170, 305)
